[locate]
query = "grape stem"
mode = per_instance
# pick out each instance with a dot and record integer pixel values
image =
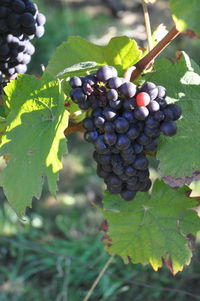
(73, 128)
(146, 61)
(147, 25)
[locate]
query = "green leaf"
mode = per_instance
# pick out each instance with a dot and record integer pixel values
(179, 156)
(153, 228)
(82, 67)
(121, 52)
(34, 139)
(186, 14)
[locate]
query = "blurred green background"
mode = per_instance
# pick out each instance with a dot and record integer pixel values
(56, 252)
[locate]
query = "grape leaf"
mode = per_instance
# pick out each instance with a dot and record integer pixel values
(120, 52)
(186, 14)
(153, 228)
(179, 156)
(82, 68)
(34, 139)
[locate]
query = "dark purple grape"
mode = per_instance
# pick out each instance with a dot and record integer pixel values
(162, 103)
(104, 159)
(153, 106)
(105, 73)
(138, 148)
(129, 104)
(128, 195)
(113, 180)
(132, 181)
(116, 160)
(75, 82)
(152, 123)
(116, 105)
(114, 189)
(141, 163)
(88, 124)
(18, 6)
(123, 142)
(99, 122)
(78, 95)
(115, 82)
(129, 116)
(121, 125)
(128, 89)
(176, 111)
(110, 138)
(143, 139)
(141, 113)
(168, 128)
(112, 95)
(145, 186)
(109, 114)
(107, 168)
(143, 175)
(102, 173)
(161, 92)
(152, 133)
(151, 147)
(109, 127)
(133, 132)
(126, 152)
(91, 136)
(118, 170)
(130, 171)
(100, 145)
(158, 116)
(168, 114)
(27, 20)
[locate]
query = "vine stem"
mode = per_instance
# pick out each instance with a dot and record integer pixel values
(147, 59)
(73, 128)
(98, 278)
(147, 25)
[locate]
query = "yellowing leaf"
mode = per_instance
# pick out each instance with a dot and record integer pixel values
(153, 228)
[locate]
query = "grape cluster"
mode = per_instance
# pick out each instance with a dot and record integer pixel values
(124, 125)
(20, 22)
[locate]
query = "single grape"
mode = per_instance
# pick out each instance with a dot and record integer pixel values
(161, 92)
(128, 195)
(128, 89)
(168, 128)
(123, 142)
(176, 111)
(153, 106)
(109, 114)
(112, 95)
(106, 72)
(91, 136)
(121, 125)
(115, 82)
(75, 82)
(133, 132)
(141, 163)
(110, 138)
(141, 113)
(143, 99)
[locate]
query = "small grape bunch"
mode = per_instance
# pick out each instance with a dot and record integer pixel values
(125, 124)
(20, 22)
